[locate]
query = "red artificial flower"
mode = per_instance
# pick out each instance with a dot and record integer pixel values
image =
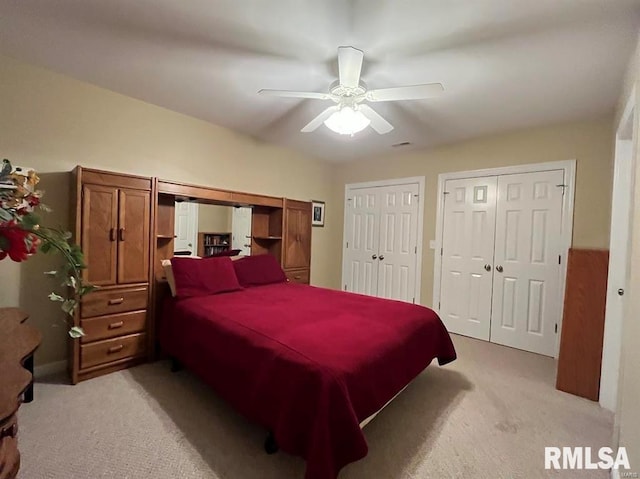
(33, 200)
(16, 243)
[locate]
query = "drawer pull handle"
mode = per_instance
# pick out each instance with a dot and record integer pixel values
(297, 277)
(115, 349)
(117, 325)
(11, 431)
(116, 301)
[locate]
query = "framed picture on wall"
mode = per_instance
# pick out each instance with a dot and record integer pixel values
(317, 213)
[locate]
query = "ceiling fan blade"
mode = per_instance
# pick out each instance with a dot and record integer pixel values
(413, 92)
(349, 66)
(297, 94)
(319, 120)
(378, 123)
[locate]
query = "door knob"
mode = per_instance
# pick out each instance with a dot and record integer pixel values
(373, 256)
(487, 267)
(499, 269)
(381, 257)
(621, 292)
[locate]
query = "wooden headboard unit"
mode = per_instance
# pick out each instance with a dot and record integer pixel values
(267, 224)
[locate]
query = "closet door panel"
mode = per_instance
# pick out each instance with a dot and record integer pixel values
(398, 242)
(133, 236)
(99, 228)
(362, 233)
(467, 256)
(527, 272)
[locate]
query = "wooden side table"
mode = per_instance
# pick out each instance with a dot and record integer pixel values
(18, 341)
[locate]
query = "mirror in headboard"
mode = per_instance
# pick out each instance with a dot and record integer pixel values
(208, 229)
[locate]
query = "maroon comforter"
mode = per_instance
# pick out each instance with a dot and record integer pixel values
(309, 364)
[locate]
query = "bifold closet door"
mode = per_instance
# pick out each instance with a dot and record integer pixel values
(382, 237)
(186, 227)
(398, 242)
(467, 256)
(526, 295)
(363, 234)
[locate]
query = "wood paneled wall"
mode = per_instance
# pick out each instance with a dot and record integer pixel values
(580, 355)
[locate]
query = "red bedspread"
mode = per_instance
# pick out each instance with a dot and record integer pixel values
(309, 364)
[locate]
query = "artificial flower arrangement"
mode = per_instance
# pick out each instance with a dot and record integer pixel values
(22, 235)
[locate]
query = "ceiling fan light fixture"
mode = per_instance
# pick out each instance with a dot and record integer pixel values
(347, 121)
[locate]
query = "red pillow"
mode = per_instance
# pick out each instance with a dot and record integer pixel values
(202, 277)
(257, 270)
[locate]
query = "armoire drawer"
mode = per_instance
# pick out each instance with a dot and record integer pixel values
(105, 327)
(112, 349)
(103, 302)
(298, 276)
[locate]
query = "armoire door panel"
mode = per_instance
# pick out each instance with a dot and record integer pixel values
(297, 239)
(133, 236)
(526, 292)
(99, 234)
(467, 255)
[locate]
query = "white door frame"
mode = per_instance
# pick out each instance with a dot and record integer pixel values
(391, 182)
(569, 167)
(621, 210)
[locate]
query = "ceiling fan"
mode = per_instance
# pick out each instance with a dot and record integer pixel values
(350, 114)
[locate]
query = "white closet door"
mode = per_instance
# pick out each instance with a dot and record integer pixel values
(398, 242)
(467, 256)
(526, 283)
(362, 233)
(186, 227)
(241, 230)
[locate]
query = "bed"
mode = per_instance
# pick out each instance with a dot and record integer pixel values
(308, 364)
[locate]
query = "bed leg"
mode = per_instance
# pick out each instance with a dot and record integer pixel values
(270, 444)
(175, 365)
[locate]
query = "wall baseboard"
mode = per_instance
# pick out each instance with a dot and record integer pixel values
(49, 368)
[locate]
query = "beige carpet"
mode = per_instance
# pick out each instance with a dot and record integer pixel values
(487, 415)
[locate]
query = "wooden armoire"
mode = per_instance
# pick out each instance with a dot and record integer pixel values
(296, 260)
(113, 217)
(125, 226)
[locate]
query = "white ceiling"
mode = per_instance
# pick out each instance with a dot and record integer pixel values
(505, 64)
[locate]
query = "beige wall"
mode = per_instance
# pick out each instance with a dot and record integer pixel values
(214, 218)
(590, 143)
(53, 123)
(627, 422)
